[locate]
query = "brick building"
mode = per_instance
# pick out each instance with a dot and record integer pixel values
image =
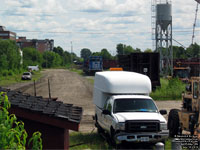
(5, 34)
(40, 45)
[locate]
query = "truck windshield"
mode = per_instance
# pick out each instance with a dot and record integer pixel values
(134, 105)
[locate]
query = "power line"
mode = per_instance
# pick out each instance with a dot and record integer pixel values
(100, 32)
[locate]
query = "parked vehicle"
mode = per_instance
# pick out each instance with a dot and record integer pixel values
(188, 118)
(93, 64)
(33, 68)
(124, 110)
(144, 63)
(26, 76)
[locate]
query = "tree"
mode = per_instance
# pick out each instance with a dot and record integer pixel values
(128, 49)
(85, 53)
(58, 50)
(105, 54)
(120, 49)
(193, 51)
(9, 55)
(96, 54)
(31, 57)
(148, 50)
(179, 52)
(51, 59)
(138, 50)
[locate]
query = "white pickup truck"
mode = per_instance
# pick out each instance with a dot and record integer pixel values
(124, 109)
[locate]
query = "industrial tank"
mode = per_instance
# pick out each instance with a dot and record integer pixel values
(164, 15)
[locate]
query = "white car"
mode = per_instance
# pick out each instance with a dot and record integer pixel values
(26, 76)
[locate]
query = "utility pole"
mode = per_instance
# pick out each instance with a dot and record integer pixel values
(194, 25)
(71, 53)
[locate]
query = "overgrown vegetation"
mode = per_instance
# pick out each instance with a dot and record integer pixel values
(15, 78)
(12, 132)
(14, 61)
(170, 90)
(87, 141)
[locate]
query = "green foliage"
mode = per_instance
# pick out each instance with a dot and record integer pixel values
(104, 53)
(169, 90)
(12, 132)
(193, 51)
(88, 141)
(31, 57)
(9, 55)
(51, 59)
(122, 49)
(85, 53)
(148, 50)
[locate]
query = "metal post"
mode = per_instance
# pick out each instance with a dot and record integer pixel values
(71, 53)
(160, 146)
(34, 89)
(176, 145)
(49, 89)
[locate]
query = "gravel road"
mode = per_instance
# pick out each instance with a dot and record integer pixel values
(72, 88)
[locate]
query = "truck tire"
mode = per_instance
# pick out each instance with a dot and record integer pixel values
(173, 123)
(112, 137)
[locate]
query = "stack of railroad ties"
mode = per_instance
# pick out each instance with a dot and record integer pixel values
(48, 107)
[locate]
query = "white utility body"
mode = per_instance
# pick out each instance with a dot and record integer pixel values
(124, 108)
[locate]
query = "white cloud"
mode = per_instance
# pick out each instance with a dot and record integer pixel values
(94, 24)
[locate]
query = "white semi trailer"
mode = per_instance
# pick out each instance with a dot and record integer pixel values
(124, 109)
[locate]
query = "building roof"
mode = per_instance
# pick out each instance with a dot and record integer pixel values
(45, 107)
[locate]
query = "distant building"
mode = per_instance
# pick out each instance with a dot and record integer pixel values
(5, 34)
(40, 45)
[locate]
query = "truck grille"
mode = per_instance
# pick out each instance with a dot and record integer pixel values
(142, 126)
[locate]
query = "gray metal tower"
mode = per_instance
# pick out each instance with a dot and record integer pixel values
(162, 18)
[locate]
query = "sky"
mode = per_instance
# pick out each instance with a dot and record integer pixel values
(95, 24)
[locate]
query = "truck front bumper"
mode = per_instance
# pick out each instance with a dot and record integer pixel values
(142, 137)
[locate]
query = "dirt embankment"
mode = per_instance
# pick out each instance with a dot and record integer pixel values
(72, 88)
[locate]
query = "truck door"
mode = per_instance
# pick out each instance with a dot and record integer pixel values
(108, 118)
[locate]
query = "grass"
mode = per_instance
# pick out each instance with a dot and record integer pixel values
(87, 141)
(170, 90)
(94, 141)
(8, 80)
(78, 71)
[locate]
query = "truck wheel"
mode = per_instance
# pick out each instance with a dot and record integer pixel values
(112, 137)
(173, 122)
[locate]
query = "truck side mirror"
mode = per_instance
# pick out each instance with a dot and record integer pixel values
(163, 112)
(106, 112)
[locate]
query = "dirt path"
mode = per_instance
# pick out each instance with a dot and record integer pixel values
(72, 88)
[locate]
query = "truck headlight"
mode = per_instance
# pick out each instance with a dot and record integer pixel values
(120, 126)
(163, 126)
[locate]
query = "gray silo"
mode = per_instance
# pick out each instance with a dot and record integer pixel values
(163, 36)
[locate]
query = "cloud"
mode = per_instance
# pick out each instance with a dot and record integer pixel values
(93, 23)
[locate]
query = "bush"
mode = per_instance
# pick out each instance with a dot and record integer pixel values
(4, 73)
(10, 73)
(12, 132)
(170, 90)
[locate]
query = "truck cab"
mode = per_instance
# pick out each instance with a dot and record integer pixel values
(124, 109)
